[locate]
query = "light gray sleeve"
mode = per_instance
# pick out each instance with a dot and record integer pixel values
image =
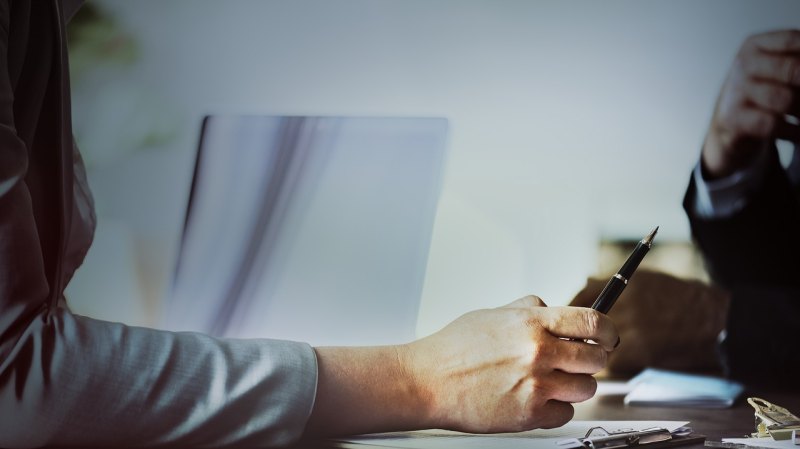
(70, 380)
(76, 381)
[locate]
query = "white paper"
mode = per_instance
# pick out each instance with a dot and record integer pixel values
(540, 438)
(668, 388)
(767, 442)
(613, 388)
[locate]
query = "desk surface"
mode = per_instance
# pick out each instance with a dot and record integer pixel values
(716, 424)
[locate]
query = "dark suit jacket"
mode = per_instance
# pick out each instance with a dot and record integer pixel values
(71, 380)
(755, 254)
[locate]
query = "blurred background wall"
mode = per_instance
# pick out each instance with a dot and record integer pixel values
(573, 123)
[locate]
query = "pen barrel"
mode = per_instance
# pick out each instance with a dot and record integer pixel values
(609, 295)
(633, 260)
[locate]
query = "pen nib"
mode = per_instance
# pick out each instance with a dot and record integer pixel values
(649, 239)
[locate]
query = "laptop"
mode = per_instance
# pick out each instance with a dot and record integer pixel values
(312, 229)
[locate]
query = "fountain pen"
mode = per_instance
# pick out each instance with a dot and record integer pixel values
(617, 283)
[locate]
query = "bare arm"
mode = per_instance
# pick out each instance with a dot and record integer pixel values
(495, 370)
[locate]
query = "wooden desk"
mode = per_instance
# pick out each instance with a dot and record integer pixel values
(714, 423)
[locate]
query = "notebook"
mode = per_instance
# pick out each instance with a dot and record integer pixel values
(314, 229)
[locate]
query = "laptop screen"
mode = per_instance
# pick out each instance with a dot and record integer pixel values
(313, 229)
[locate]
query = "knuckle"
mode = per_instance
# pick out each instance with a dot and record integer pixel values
(591, 322)
(532, 300)
(540, 355)
(542, 389)
(540, 396)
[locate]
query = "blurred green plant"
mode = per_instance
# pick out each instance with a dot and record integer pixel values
(115, 112)
(95, 39)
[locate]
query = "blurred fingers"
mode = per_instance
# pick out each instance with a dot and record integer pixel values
(765, 115)
(755, 123)
(780, 41)
(779, 69)
(773, 98)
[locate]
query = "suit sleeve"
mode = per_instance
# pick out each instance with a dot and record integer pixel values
(74, 381)
(759, 243)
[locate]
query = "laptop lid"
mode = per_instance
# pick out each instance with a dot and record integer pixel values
(314, 229)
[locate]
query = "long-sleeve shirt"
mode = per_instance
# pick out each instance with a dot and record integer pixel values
(72, 380)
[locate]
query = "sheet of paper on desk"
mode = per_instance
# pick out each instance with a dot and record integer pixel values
(540, 438)
(669, 388)
(762, 443)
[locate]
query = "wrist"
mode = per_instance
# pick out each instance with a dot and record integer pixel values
(367, 390)
(723, 154)
(418, 383)
(713, 163)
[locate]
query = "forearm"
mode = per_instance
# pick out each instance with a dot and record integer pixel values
(367, 389)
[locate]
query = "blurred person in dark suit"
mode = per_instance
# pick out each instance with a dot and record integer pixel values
(743, 204)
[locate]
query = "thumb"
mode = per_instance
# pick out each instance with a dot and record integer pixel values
(526, 302)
